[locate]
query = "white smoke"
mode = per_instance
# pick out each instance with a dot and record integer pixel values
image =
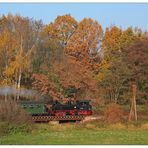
(11, 91)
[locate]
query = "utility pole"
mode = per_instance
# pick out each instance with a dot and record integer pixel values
(133, 111)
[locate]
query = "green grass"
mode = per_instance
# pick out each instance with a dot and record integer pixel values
(77, 134)
(95, 132)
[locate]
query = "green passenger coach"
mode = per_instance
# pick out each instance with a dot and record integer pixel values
(34, 108)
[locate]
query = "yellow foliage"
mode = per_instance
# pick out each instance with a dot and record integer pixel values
(104, 66)
(6, 81)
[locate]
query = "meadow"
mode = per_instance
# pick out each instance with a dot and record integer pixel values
(89, 132)
(79, 134)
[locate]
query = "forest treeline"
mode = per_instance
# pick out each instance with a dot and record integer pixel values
(70, 59)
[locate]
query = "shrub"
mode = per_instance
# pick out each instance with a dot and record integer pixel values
(11, 112)
(13, 118)
(113, 113)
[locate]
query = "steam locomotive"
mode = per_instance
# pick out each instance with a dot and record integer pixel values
(56, 109)
(77, 108)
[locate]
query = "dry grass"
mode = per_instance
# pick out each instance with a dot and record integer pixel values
(12, 113)
(90, 126)
(144, 126)
(117, 126)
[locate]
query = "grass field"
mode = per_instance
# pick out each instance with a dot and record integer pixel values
(79, 134)
(92, 132)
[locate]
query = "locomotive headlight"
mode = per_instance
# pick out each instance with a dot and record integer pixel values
(75, 107)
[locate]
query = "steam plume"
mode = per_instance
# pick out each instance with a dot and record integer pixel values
(11, 91)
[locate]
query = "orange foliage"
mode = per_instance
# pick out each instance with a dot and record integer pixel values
(81, 44)
(45, 85)
(111, 38)
(114, 113)
(73, 73)
(62, 29)
(84, 44)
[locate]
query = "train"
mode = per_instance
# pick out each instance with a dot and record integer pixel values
(55, 110)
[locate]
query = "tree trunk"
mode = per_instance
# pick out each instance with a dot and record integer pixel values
(115, 100)
(15, 85)
(6, 66)
(19, 84)
(20, 71)
(116, 96)
(6, 97)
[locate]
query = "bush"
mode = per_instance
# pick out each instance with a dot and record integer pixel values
(11, 112)
(13, 118)
(113, 113)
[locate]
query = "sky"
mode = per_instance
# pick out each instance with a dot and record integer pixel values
(122, 15)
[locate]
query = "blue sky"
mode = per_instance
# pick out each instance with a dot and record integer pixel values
(122, 15)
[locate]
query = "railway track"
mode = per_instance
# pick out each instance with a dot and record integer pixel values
(46, 118)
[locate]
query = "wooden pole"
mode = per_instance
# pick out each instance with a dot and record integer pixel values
(133, 110)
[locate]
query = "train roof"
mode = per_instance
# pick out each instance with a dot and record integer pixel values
(83, 100)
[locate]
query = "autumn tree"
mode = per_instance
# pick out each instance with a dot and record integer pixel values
(111, 38)
(21, 36)
(52, 41)
(61, 29)
(69, 71)
(113, 68)
(7, 45)
(82, 50)
(113, 79)
(74, 74)
(58, 34)
(115, 39)
(115, 73)
(137, 61)
(85, 43)
(48, 84)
